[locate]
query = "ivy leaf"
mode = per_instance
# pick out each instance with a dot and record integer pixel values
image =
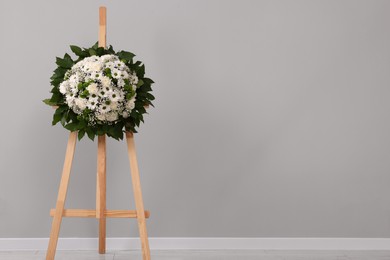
(110, 50)
(95, 46)
(149, 96)
(149, 81)
(81, 134)
(125, 55)
(48, 102)
(92, 52)
(100, 51)
(90, 134)
(66, 62)
(72, 126)
(59, 72)
(56, 97)
(56, 118)
(77, 50)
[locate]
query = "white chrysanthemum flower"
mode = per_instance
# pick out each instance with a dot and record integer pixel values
(107, 58)
(116, 73)
(70, 99)
(111, 116)
(106, 81)
(124, 74)
(64, 86)
(109, 65)
(81, 103)
(92, 88)
(115, 96)
(133, 79)
(130, 104)
(92, 103)
(107, 91)
(73, 88)
(74, 78)
(121, 83)
(101, 117)
(125, 114)
(103, 109)
(96, 75)
(114, 106)
(94, 66)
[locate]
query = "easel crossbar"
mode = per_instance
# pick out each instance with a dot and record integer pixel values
(91, 213)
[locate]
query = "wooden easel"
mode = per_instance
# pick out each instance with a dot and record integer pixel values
(101, 211)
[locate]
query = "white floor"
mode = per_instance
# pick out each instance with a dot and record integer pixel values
(203, 255)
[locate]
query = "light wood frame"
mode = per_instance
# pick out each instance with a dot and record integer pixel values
(101, 212)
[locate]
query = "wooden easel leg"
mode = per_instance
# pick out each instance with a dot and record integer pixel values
(138, 196)
(56, 224)
(101, 192)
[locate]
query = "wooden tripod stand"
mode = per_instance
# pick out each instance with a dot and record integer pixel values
(101, 211)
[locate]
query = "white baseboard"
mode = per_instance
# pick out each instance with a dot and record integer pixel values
(159, 243)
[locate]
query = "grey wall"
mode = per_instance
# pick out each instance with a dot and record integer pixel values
(271, 118)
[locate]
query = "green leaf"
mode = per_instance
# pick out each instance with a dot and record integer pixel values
(92, 52)
(56, 118)
(140, 83)
(81, 134)
(110, 50)
(48, 102)
(66, 63)
(100, 51)
(76, 50)
(72, 126)
(56, 82)
(59, 72)
(90, 134)
(56, 97)
(149, 81)
(125, 55)
(149, 96)
(95, 46)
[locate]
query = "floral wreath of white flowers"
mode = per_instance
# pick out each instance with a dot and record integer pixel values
(102, 92)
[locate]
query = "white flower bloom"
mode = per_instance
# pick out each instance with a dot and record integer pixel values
(114, 106)
(112, 116)
(70, 100)
(107, 58)
(125, 114)
(96, 75)
(104, 108)
(92, 103)
(109, 65)
(124, 75)
(107, 91)
(133, 79)
(93, 88)
(94, 66)
(64, 86)
(115, 96)
(130, 104)
(121, 83)
(73, 88)
(101, 117)
(81, 103)
(116, 73)
(106, 81)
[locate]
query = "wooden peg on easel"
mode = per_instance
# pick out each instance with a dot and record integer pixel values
(101, 157)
